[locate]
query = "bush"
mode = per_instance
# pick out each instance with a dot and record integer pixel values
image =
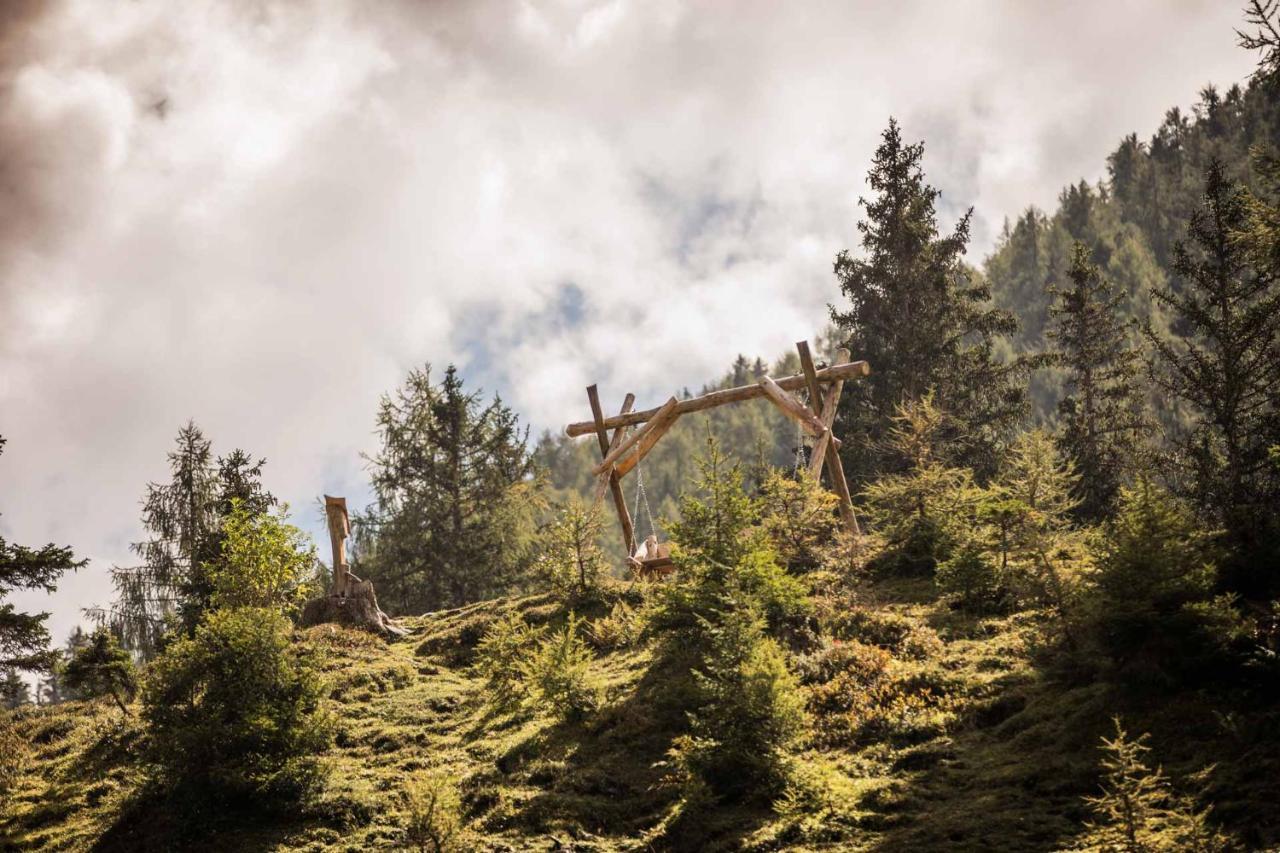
(571, 563)
(800, 519)
(500, 656)
(972, 579)
(557, 674)
(1156, 615)
(434, 822)
(234, 711)
(102, 668)
(750, 711)
(1138, 810)
(621, 629)
(265, 562)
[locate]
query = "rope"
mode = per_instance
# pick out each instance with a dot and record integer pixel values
(642, 505)
(799, 460)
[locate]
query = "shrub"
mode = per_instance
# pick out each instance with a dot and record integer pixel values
(557, 674)
(234, 710)
(1138, 810)
(1155, 613)
(898, 634)
(800, 519)
(434, 820)
(265, 562)
(102, 668)
(500, 656)
(571, 562)
(622, 628)
(972, 579)
(750, 711)
(857, 691)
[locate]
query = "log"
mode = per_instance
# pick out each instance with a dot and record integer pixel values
(829, 406)
(850, 370)
(665, 412)
(615, 485)
(791, 407)
(335, 510)
(660, 426)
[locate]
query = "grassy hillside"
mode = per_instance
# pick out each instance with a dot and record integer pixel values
(992, 754)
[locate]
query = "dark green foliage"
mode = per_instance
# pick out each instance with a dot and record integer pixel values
(23, 638)
(1224, 364)
(234, 712)
(455, 497)
(1101, 415)
(103, 668)
(799, 516)
(14, 690)
(184, 518)
(1156, 613)
(556, 674)
(501, 652)
(750, 710)
(922, 319)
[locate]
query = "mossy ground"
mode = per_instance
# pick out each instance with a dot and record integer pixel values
(1002, 764)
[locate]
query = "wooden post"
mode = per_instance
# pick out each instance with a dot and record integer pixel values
(835, 469)
(829, 406)
(615, 485)
(335, 510)
(791, 407)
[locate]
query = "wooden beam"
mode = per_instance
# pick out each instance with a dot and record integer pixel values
(834, 467)
(829, 406)
(810, 378)
(835, 373)
(791, 407)
(665, 411)
(660, 426)
(615, 486)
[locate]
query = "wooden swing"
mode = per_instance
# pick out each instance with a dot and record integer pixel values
(621, 452)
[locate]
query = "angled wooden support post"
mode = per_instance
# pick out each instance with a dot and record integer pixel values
(793, 408)
(829, 405)
(658, 422)
(660, 426)
(615, 486)
(835, 469)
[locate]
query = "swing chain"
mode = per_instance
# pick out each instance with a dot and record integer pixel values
(642, 506)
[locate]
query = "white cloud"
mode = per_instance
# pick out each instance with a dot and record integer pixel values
(261, 214)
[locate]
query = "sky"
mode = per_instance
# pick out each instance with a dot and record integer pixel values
(260, 215)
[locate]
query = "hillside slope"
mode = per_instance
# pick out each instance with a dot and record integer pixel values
(996, 755)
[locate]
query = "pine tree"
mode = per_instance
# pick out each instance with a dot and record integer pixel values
(1224, 364)
(1101, 416)
(455, 495)
(184, 517)
(922, 320)
(570, 561)
(14, 691)
(103, 668)
(23, 636)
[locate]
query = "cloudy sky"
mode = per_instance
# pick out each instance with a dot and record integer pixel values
(261, 214)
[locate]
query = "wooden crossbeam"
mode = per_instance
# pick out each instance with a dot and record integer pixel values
(666, 412)
(660, 426)
(791, 407)
(615, 485)
(835, 373)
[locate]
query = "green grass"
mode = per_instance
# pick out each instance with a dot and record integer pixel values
(1001, 764)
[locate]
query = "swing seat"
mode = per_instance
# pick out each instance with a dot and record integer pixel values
(652, 559)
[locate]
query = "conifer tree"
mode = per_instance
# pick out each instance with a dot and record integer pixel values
(455, 496)
(14, 691)
(184, 518)
(23, 636)
(103, 668)
(1224, 364)
(922, 320)
(1101, 415)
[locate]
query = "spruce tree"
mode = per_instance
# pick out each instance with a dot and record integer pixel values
(14, 691)
(103, 668)
(1224, 364)
(455, 497)
(1100, 417)
(923, 321)
(23, 636)
(184, 517)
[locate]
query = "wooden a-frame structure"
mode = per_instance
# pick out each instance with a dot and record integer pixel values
(620, 453)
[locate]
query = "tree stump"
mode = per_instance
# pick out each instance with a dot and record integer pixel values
(350, 601)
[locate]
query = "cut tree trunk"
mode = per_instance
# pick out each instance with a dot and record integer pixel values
(350, 601)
